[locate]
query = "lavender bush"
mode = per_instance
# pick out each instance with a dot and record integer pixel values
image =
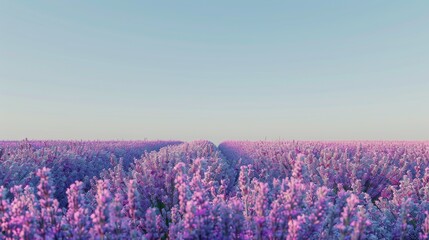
(239, 190)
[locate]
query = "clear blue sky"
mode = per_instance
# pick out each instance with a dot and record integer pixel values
(214, 70)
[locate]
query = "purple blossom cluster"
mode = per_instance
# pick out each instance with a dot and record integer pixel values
(239, 190)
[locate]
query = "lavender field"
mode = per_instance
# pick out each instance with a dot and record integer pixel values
(196, 190)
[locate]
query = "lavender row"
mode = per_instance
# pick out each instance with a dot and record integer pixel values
(375, 190)
(69, 161)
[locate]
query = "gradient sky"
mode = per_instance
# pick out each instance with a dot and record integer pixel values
(214, 70)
